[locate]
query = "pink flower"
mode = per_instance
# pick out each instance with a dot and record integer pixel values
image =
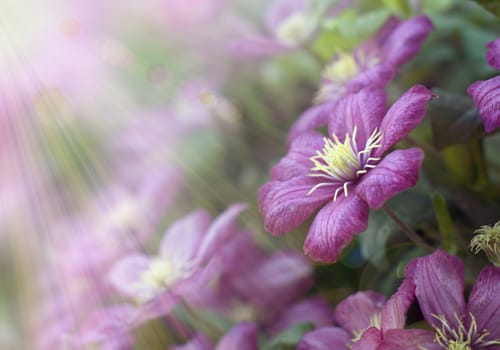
(346, 173)
(372, 64)
(439, 282)
(486, 93)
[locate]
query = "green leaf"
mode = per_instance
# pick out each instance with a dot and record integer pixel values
(399, 7)
(454, 119)
(289, 338)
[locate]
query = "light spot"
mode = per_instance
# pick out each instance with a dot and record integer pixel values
(295, 30)
(69, 28)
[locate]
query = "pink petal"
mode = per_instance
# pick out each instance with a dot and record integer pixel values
(403, 116)
(222, 229)
(325, 338)
(486, 95)
(315, 310)
(493, 54)
(285, 205)
(406, 40)
(182, 239)
(439, 281)
(408, 339)
(243, 336)
(370, 340)
(126, 273)
(394, 311)
(363, 110)
(397, 172)
(313, 118)
(157, 307)
(256, 46)
(484, 301)
(298, 160)
(334, 227)
(356, 311)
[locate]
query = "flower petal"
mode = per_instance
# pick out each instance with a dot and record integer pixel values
(313, 118)
(406, 40)
(334, 227)
(370, 340)
(298, 160)
(484, 302)
(325, 338)
(408, 339)
(403, 116)
(181, 241)
(356, 311)
(393, 314)
(398, 171)
(486, 95)
(285, 205)
(243, 336)
(439, 281)
(363, 110)
(255, 46)
(126, 273)
(315, 310)
(493, 54)
(221, 230)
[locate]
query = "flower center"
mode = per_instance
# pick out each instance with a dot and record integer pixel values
(462, 337)
(341, 163)
(488, 239)
(374, 322)
(295, 30)
(342, 69)
(160, 276)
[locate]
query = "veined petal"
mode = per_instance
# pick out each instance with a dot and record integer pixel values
(403, 116)
(285, 205)
(355, 313)
(398, 171)
(406, 40)
(370, 340)
(377, 76)
(242, 336)
(222, 229)
(298, 160)
(484, 301)
(408, 339)
(486, 95)
(363, 110)
(393, 314)
(325, 338)
(439, 281)
(181, 241)
(334, 227)
(314, 117)
(493, 54)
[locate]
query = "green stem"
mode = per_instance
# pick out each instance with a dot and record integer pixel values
(407, 230)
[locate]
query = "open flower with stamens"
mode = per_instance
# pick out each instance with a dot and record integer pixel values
(487, 239)
(346, 172)
(372, 64)
(184, 266)
(439, 282)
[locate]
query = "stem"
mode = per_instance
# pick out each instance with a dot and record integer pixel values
(408, 231)
(427, 148)
(202, 321)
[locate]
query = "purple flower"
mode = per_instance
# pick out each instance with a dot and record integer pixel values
(289, 23)
(439, 282)
(183, 265)
(486, 93)
(345, 173)
(373, 63)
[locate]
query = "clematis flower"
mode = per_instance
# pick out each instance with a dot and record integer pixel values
(345, 173)
(486, 93)
(439, 281)
(289, 23)
(182, 266)
(374, 63)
